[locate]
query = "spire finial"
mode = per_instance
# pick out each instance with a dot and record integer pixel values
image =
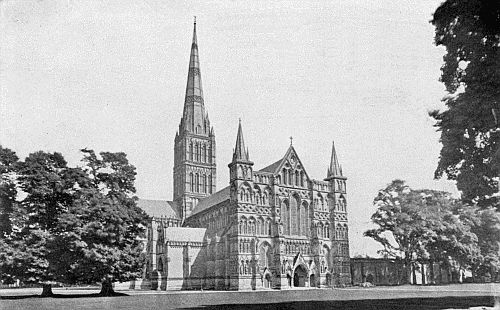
(334, 169)
(195, 19)
(291, 140)
(240, 151)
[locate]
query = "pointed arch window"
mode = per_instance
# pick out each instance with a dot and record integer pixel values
(297, 178)
(204, 183)
(191, 151)
(285, 210)
(160, 265)
(191, 182)
(204, 154)
(209, 184)
(197, 177)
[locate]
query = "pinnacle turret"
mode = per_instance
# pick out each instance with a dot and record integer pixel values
(240, 152)
(334, 171)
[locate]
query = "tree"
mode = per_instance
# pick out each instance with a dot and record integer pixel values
(452, 241)
(104, 227)
(421, 226)
(470, 32)
(75, 225)
(487, 229)
(8, 206)
(8, 191)
(399, 230)
(50, 190)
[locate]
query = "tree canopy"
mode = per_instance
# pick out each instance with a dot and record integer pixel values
(470, 32)
(424, 226)
(75, 225)
(8, 190)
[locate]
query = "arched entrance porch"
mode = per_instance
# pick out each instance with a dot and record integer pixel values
(267, 279)
(299, 276)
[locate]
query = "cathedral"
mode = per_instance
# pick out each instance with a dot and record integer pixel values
(270, 228)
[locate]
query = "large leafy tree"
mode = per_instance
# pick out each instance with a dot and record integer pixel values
(74, 225)
(470, 32)
(487, 229)
(8, 207)
(421, 226)
(50, 189)
(8, 191)
(399, 229)
(451, 241)
(104, 227)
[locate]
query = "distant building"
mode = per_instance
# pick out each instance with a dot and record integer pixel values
(270, 228)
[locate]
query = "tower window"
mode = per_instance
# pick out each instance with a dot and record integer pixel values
(197, 183)
(205, 183)
(209, 184)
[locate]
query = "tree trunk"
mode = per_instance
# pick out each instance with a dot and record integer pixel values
(47, 290)
(107, 288)
(408, 273)
(414, 273)
(432, 275)
(440, 270)
(422, 272)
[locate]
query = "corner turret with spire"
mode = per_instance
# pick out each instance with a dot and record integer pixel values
(240, 170)
(334, 174)
(241, 167)
(337, 205)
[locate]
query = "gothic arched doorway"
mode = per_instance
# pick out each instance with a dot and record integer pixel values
(299, 276)
(312, 280)
(267, 279)
(328, 279)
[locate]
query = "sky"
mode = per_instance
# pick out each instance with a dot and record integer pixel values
(111, 76)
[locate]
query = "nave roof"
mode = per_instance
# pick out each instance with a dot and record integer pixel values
(158, 208)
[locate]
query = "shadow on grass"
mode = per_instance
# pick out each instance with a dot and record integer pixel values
(370, 304)
(115, 294)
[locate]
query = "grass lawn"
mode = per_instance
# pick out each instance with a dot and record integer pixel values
(402, 297)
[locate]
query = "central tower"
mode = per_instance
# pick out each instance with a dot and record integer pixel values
(194, 146)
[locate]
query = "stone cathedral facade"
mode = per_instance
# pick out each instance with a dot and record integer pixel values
(274, 227)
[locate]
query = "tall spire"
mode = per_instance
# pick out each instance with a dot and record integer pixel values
(194, 111)
(240, 152)
(334, 170)
(193, 88)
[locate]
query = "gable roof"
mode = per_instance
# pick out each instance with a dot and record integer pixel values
(276, 167)
(158, 208)
(212, 200)
(272, 167)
